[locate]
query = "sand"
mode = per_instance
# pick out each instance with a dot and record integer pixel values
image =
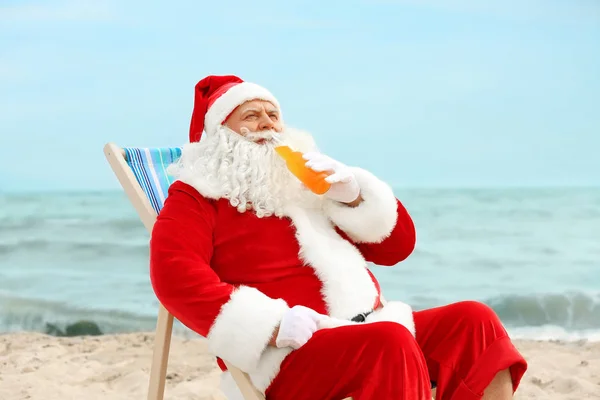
(37, 366)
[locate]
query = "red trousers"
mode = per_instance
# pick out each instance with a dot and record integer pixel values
(459, 347)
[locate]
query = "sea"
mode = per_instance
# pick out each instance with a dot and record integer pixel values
(532, 254)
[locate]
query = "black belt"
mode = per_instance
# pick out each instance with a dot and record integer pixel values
(362, 317)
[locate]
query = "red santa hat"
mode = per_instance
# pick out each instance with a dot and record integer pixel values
(215, 99)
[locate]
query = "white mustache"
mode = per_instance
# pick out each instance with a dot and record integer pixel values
(256, 136)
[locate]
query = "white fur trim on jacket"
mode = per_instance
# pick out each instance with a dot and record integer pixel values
(347, 286)
(229, 388)
(232, 98)
(261, 378)
(244, 326)
(394, 311)
(372, 220)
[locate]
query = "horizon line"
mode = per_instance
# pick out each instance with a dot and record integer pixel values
(394, 187)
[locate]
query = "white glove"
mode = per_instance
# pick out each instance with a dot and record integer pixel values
(297, 327)
(344, 187)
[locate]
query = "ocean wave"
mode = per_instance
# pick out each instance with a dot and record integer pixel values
(20, 314)
(30, 223)
(98, 247)
(554, 333)
(572, 311)
(569, 317)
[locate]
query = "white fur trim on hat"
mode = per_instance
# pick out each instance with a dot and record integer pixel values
(232, 98)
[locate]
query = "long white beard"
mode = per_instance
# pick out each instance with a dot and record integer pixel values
(251, 176)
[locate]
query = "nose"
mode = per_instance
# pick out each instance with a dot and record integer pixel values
(265, 122)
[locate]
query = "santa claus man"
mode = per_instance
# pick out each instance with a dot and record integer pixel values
(276, 277)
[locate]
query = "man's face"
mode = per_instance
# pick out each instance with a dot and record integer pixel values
(238, 162)
(254, 116)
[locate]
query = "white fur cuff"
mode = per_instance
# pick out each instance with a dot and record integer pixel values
(395, 311)
(244, 327)
(372, 220)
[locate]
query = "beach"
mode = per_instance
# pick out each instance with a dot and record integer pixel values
(37, 366)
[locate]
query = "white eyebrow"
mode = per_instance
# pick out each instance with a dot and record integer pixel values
(256, 110)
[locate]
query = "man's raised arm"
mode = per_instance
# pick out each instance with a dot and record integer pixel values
(378, 224)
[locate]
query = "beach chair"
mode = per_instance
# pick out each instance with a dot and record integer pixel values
(143, 176)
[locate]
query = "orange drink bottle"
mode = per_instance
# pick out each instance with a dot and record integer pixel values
(313, 180)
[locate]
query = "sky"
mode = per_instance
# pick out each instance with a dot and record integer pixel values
(423, 93)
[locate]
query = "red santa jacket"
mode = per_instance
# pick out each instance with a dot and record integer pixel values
(230, 276)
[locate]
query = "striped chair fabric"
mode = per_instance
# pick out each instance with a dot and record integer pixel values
(149, 165)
